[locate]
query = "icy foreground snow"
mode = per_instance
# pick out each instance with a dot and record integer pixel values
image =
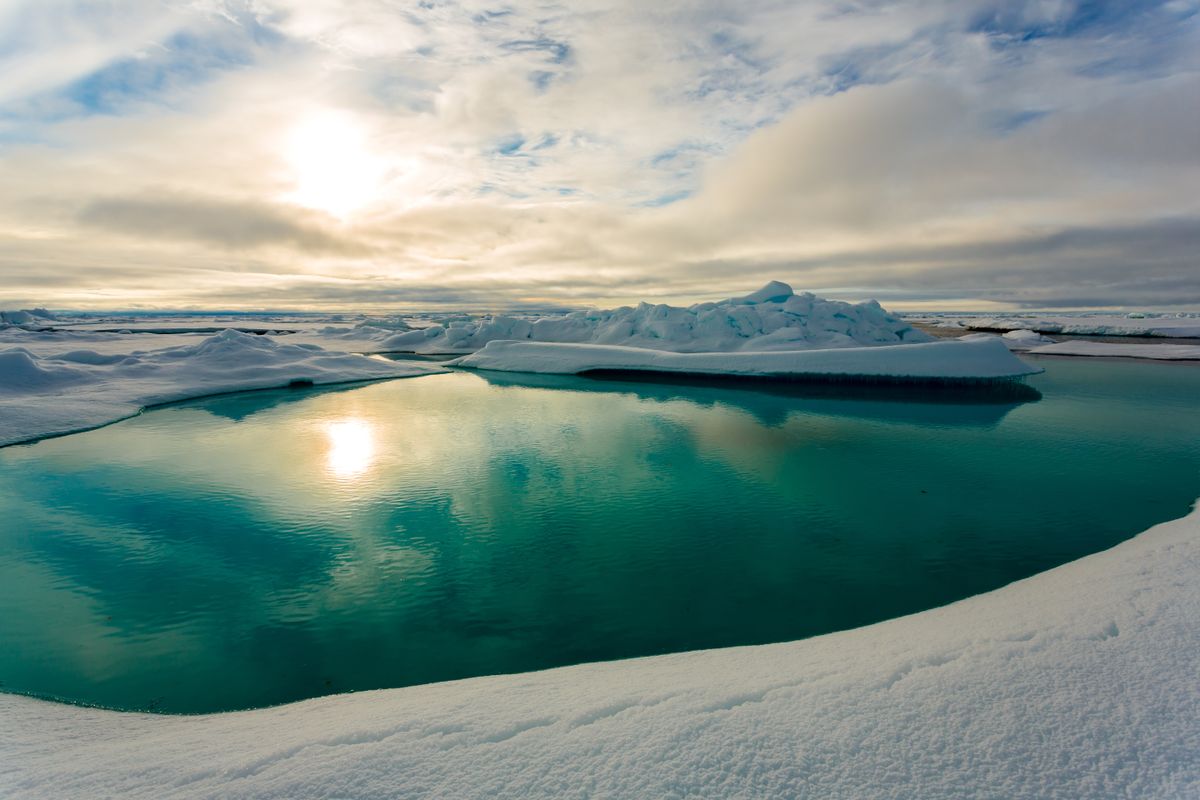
(977, 359)
(44, 395)
(1079, 682)
(773, 318)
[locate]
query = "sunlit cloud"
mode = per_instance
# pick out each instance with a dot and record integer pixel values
(370, 155)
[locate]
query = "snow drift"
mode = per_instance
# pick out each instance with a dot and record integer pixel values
(48, 395)
(773, 318)
(986, 359)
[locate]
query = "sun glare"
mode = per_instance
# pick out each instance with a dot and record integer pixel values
(351, 447)
(332, 166)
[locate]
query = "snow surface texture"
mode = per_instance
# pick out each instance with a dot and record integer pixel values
(48, 395)
(986, 358)
(773, 318)
(1079, 682)
(1160, 352)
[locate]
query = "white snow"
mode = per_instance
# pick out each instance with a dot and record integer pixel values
(1161, 352)
(983, 359)
(1180, 324)
(1079, 682)
(1024, 339)
(28, 316)
(773, 318)
(44, 395)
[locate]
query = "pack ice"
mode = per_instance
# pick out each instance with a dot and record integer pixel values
(773, 318)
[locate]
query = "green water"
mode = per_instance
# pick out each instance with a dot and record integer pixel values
(259, 548)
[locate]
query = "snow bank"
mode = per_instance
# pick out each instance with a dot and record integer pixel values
(1162, 352)
(1079, 682)
(983, 359)
(43, 395)
(773, 318)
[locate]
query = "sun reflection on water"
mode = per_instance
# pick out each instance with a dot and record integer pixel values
(351, 447)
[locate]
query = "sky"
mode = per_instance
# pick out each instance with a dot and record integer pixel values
(372, 154)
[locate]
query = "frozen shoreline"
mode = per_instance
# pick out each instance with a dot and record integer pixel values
(1078, 682)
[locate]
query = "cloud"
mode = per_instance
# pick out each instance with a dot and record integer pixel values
(221, 223)
(598, 151)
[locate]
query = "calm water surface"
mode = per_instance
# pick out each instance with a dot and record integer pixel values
(259, 548)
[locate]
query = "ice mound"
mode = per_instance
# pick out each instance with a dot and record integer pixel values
(1021, 340)
(773, 318)
(47, 395)
(983, 359)
(25, 317)
(1025, 338)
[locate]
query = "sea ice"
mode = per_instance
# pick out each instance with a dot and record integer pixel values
(43, 395)
(986, 358)
(773, 318)
(1158, 352)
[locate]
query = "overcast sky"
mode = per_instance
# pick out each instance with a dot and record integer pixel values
(370, 153)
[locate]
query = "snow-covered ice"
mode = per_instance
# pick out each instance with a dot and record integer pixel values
(1158, 352)
(985, 358)
(27, 316)
(773, 318)
(44, 395)
(1078, 682)
(1025, 339)
(1180, 325)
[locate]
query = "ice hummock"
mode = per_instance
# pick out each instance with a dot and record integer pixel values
(772, 318)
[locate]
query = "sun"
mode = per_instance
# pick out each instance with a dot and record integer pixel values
(351, 447)
(332, 166)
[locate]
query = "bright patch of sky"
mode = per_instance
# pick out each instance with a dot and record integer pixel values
(368, 153)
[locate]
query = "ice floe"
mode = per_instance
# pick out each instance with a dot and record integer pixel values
(44, 395)
(1180, 324)
(983, 359)
(1157, 352)
(773, 318)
